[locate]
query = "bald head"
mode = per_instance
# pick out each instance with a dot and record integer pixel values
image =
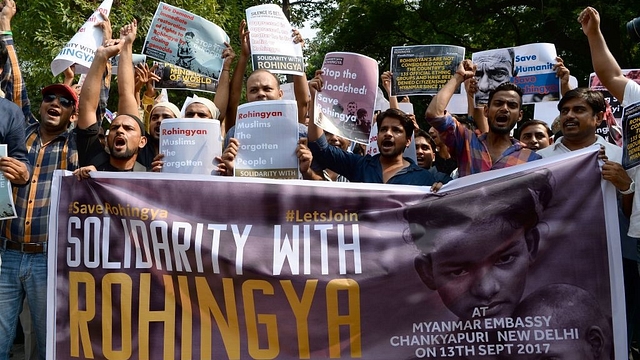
(263, 85)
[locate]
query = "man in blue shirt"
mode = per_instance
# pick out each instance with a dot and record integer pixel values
(388, 167)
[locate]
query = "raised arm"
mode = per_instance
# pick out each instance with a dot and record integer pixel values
(222, 93)
(13, 83)
(238, 76)
(93, 84)
(562, 73)
(604, 64)
(315, 85)
(477, 113)
(69, 75)
(300, 85)
(386, 78)
(466, 70)
(127, 103)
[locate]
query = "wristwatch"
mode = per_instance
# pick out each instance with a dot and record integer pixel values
(631, 189)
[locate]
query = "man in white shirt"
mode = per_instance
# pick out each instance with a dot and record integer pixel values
(610, 74)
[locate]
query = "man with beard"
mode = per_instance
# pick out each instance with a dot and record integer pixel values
(388, 167)
(493, 150)
(126, 132)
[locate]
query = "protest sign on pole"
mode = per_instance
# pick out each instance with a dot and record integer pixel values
(82, 47)
(7, 206)
(215, 267)
(631, 136)
(423, 69)
(187, 40)
(528, 66)
(268, 136)
(272, 46)
(345, 105)
(190, 145)
(176, 78)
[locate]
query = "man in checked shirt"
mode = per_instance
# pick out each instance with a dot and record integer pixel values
(50, 145)
(493, 150)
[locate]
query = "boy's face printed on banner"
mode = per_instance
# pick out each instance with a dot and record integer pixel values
(480, 270)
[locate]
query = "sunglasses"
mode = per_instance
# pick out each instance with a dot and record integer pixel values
(63, 100)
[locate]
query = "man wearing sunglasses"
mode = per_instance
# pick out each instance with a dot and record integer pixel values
(50, 145)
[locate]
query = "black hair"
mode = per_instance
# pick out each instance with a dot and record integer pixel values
(532, 122)
(508, 86)
(519, 205)
(594, 98)
(405, 120)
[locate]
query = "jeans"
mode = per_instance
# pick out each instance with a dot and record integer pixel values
(22, 275)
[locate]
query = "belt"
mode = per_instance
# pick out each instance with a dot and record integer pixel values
(27, 248)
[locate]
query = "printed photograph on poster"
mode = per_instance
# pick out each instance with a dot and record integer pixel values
(7, 206)
(518, 277)
(176, 78)
(528, 66)
(345, 105)
(423, 69)
(186, 40)
(631, 138)
(272, 46)
(268, 135)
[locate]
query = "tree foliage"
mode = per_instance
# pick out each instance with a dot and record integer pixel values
(42, 27)
(369, 27)
(372, 27)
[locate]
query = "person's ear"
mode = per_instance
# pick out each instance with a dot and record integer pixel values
(143, 141)
(424, 268)
(532, 238)
(486, 110)
(520, 116)
(599, 117)
(280, 92)
(596, 340)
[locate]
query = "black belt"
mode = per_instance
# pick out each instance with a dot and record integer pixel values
(27, 248)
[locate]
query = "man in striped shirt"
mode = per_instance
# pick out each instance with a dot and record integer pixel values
(493, 150)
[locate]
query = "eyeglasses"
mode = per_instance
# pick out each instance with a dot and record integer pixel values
(63, 100)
